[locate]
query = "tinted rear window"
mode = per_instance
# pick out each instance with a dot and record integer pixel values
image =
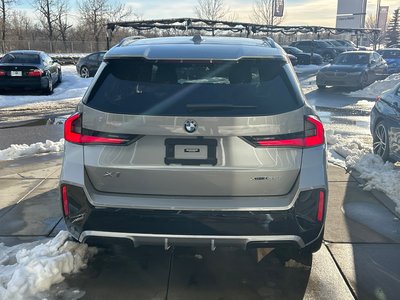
(197, 88)
(20, 58)
(390, 53)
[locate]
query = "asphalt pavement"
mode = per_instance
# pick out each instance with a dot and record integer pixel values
(359, 258)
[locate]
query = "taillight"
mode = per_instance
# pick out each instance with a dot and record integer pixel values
(321, 205)
(377, 98)
(312, 136)
(64, 199)
(35, 73)
(3, 73)
(73, 133)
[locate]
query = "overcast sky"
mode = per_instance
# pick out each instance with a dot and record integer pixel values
(297, 12)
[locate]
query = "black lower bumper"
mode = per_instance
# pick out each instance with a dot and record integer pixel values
(23, 83)
(299, 221)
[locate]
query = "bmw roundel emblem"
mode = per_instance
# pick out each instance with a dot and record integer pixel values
(190, 126)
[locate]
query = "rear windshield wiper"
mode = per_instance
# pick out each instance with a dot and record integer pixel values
(196, 107)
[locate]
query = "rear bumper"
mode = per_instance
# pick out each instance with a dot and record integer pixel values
(297, 226)
(23, 83)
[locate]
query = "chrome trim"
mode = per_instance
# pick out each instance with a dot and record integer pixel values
(213, 240)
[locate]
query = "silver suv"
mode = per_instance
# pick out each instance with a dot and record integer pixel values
(196, 141)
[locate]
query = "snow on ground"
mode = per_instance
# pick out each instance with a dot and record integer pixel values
(379, 175)
(72, 86)
(28, 269)
(19, 150)
(307, 68)
(377, 88)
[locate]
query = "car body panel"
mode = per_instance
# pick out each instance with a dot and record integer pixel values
(91, 61)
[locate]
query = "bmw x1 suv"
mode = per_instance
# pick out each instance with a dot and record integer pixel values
(196, 141)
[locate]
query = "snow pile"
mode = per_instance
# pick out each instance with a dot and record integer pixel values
(379, 175)
(28, 269)
(18, 150)
(377, 88)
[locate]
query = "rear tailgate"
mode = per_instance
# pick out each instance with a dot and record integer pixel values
(239, 168)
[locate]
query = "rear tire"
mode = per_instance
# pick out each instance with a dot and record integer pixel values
(59, 78)
(364, 80)
(49, 89)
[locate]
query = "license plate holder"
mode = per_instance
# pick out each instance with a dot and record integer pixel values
(16, 73)
(196, 152)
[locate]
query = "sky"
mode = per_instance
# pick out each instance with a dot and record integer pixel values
(297, 12)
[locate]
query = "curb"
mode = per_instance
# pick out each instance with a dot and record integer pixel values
(378, 195)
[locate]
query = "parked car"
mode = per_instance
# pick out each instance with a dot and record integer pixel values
(392, 57)
(353, 69)
(322, 48)
(385, 125)
(339, 47)
(302, 57)
(28, 70)
(87, 66)
(192, 141)
(394, 46)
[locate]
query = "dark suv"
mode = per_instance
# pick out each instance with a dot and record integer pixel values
(327, 51)
(192, 140)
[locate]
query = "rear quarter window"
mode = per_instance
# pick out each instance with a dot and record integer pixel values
(195, 88)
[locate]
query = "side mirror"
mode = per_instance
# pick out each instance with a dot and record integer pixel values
(373, 62)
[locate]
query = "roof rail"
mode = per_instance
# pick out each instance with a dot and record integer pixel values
(269, 41)
(129, 40)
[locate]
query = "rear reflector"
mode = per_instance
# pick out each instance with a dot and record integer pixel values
(64, 198)
(312, 136)
(3, 73)
(35, 73)
(73, 133)
(321, 205)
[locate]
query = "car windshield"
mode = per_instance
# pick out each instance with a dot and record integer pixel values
(390, 53)
(335, 43)
(294, 50)
(20, 58)
(323, 44)
(352, 59)
(198, 88)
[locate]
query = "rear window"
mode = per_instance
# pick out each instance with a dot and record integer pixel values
(194, 88)
(20, 58)
(390, 53)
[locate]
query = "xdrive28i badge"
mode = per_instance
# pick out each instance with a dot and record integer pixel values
(190, 126)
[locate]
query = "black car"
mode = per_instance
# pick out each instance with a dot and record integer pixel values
(27, 69)
(302, 57)
(353, 69)
(87, 66)
(385, 125)
(322, 48)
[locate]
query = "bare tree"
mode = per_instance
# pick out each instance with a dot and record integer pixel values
(376, 38)
(96, 13)
(48, 17)
(263, 13)
(4, 8)
(211, 9)
(61, 23)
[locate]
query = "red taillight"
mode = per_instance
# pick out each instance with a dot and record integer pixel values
(73, 133)
(321, 205)
(64, 198)
(314, 135)
(3, 73)
(35, 73)
(377, 98)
